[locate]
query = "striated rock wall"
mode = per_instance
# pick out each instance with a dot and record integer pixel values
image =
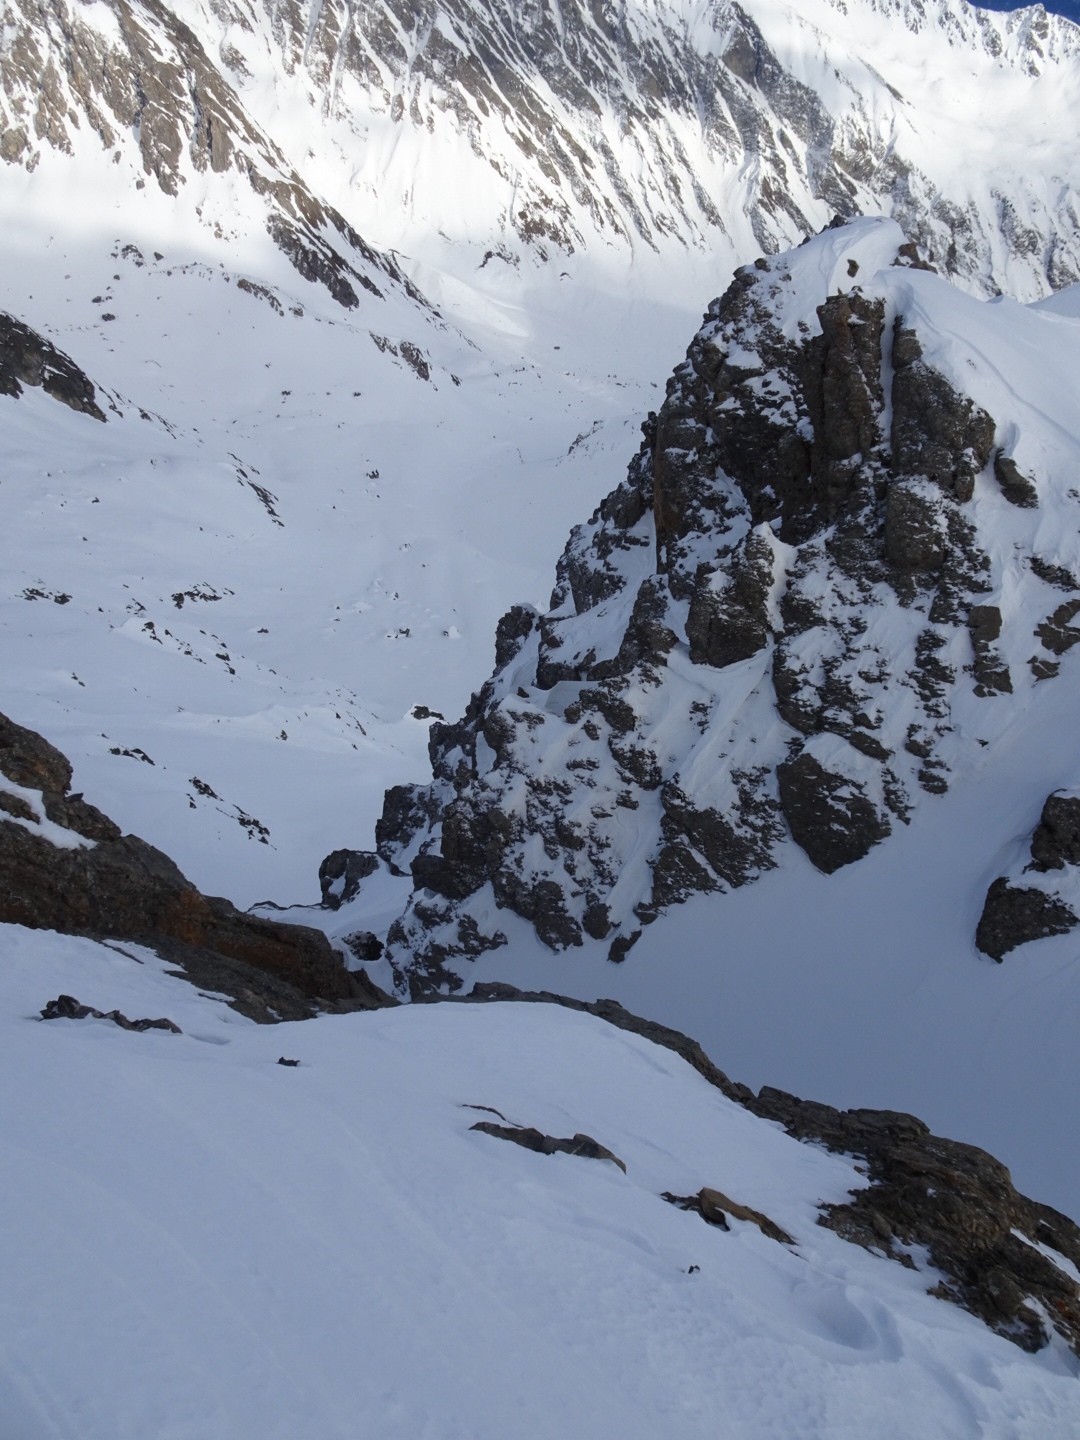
(648, 124)
(137, 76)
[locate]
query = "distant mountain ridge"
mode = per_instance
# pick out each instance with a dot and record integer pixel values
(657, 128)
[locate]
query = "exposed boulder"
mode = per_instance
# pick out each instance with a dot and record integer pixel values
(1056, 841)
(1017, 488)
(1014, 914)
(718, 1209)
(532, 1139)
(66, 1007)
(991, 673)
(830, 815)
(341, 874)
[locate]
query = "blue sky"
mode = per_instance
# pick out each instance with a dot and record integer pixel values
(1071, 8)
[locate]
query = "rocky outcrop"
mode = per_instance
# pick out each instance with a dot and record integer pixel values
(532, 1139)
(341, 874)
(762, 635)
(27, 358)
(66, 1007)
(1016, 910)
(719, 1209)
(65, 866)
(928, 1203)
(998, 1251)
(1056, 841)
(829, 815)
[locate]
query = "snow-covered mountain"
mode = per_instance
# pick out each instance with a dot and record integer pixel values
(817, 646)
(842, 565)
(321, 327)
(365, 261)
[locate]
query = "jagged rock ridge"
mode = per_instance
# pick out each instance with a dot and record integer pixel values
(663, 126)
(137, 78)
(771, 629)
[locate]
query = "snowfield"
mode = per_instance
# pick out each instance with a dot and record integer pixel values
(202, 1244)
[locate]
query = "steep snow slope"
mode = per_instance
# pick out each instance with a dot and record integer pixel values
(270, 536)
(204, 1244)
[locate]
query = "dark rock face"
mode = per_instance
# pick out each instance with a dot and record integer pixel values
(717, 1209)
(153, 80)
(991, 673)
(341, 873)
(512, 631)
(956, 1201)
(117, 885)
(1016, 488)
(935, 431)
(66, 1007)
(723, 627)
(27, 358)
(1015, 914)
(830, 817)
(924, 1192)
(1056, 841)
(532, 1139)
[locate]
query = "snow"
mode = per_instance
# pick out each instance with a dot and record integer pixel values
(202, 1244)
(40, 824)
(327, 1250)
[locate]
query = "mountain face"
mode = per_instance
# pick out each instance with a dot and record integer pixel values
(322, 326)
(574, 127)
(844, 557)
(340, 267)
(137, 78)
(659, 127)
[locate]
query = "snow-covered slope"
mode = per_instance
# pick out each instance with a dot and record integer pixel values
(206, 1244)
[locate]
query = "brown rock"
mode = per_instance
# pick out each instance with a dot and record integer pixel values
(120, 886)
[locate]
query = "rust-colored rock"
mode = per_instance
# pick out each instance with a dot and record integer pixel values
(119, 886)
